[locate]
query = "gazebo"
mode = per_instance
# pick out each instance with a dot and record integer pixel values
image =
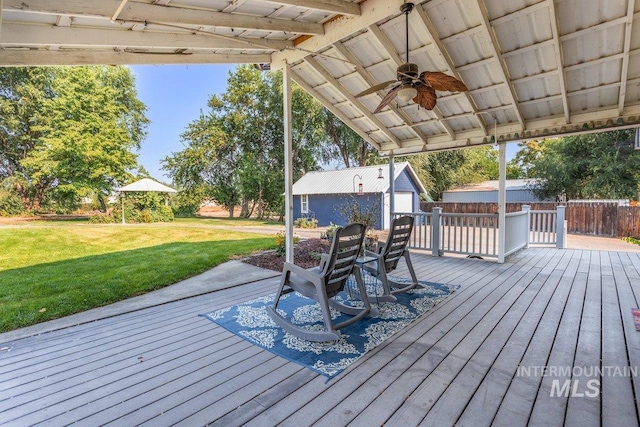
(144, 185)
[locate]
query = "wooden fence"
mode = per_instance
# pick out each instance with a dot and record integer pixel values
(585, 217)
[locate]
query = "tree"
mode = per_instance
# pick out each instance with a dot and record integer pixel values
(593, 166)
(521, 166)
(241, 136)
(68, 130)
(344, 144)
(446, 169)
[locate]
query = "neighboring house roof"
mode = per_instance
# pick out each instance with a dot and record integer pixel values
(147, 184)
(511, 184)
(344, 181)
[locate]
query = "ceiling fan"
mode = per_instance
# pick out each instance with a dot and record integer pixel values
(411, 84)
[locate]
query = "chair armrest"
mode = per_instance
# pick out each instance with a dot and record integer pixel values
(302, 272)
(324, 259)
(372, 254)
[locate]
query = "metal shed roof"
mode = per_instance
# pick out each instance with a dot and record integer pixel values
(345, 181)
(511, 185)
(533, 68)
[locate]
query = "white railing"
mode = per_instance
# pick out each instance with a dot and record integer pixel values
(516, 232)
(477, 234)
(547, 227)
(471, 234)
(421, 237)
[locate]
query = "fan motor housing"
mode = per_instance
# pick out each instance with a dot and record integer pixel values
(407, 71)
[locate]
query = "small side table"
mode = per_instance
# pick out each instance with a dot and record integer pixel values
(371, 282)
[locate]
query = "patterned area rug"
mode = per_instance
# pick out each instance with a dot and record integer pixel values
(251, 322)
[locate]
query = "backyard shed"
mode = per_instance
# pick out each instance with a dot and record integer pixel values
(324, 195)
(517, 190)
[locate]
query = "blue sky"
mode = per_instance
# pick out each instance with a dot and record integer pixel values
(174, 96)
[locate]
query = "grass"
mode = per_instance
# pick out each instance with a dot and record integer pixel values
(49, 271)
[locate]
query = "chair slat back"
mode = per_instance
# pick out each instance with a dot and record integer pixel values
(397, 241)
(346, 246)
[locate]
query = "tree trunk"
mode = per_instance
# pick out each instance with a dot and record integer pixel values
(244, 208)
(103, 204)
(231, 207)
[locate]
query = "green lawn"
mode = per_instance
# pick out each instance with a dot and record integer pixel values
(50, 270)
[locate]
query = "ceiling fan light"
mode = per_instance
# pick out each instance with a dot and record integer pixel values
(407, 93)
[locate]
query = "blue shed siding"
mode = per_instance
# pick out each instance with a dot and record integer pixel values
(326, 207)
(405, 183)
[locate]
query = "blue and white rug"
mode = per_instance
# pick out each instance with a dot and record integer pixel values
(251, 322)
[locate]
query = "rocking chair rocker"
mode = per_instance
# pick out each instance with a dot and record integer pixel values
(389, 254)
(323, 283)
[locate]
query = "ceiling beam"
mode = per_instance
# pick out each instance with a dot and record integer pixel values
(344, 92)
(493, 47)
(372, 11)
(24, 57)
(432, 33)
(141, 12)
(362, 72)
(625, 57)
(594, 28)
(388, 47)
(557, 47)
(24, 35)
(341, 7)
(336, 111)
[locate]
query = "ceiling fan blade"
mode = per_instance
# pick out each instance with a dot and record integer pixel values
(426, 97)
(375, 88)
(442, 81)
(388, 98)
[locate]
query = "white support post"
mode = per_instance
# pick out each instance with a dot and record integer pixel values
(527, 209)
(561, 229)
(288, 167)
(435, 231)
(392, 187)
(502, 196)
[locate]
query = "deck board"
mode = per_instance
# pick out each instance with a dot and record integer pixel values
(457, 364)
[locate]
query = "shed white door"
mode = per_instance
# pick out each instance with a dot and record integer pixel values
(403, 203)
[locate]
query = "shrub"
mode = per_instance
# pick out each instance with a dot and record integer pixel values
(367, 215)
(306, 223)
(102, 218)
(10, 204)
(331, 231)
(281, 243)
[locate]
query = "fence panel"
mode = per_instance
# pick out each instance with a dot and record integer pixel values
(628, 221)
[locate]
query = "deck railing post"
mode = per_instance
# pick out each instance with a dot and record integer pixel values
(561, 228)
(435, 231)
(527, 209)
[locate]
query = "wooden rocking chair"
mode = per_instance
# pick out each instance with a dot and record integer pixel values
(389, 254)
(323, 283)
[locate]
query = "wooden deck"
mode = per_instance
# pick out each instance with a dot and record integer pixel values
(459, 364)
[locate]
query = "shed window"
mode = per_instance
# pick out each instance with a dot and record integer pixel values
(304, 203)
